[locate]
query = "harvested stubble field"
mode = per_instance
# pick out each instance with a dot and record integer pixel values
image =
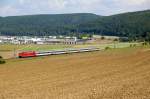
(113, 74)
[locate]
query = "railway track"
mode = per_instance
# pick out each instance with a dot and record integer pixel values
(55, 52)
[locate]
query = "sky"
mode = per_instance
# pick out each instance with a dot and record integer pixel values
(100, 7)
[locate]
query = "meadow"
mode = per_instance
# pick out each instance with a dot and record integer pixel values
(112, 74)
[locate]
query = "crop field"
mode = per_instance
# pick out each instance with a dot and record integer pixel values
(11, 47)
(113, 74)
(10, 50)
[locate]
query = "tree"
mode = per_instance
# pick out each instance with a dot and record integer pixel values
(147, 38)
(102, 38)
(2, 61)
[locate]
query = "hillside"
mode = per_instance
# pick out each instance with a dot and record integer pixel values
(43, 24)
(133, 24)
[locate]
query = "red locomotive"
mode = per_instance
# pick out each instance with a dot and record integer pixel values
(27, 54)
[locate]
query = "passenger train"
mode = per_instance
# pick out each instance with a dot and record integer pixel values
(56, 52)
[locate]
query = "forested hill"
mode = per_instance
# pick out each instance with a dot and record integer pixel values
(133, 24)
(52, 24)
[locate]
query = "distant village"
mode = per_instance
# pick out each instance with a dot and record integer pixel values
(41, 40)
(55, 39)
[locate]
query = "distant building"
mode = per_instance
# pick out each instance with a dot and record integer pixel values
(1, 41)
(39, 40)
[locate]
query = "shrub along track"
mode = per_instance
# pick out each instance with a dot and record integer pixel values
(114, 74)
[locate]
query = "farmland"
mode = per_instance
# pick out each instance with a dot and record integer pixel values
(113, 74)
(8, 50)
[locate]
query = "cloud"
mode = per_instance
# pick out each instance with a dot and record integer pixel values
(130, 2)
(130, 5)
(102, 7)
(8, 10)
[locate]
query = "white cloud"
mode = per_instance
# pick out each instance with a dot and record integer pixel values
(130, 2)
(8, 10)
(21, 1)
(121, 6)
(102, 7)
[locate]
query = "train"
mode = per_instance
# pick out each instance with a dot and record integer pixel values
(27, 54)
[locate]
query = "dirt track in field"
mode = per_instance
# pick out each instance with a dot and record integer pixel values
(119, 74)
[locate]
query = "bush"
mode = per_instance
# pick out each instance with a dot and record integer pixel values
(107, 48)
(102, 38)
(2, 61)
(145, 43)
(116, 39)
(134, 45)
(130, 45)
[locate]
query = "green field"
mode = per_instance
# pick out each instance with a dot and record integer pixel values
(112, 45)
(10, 50)
(11, 47)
